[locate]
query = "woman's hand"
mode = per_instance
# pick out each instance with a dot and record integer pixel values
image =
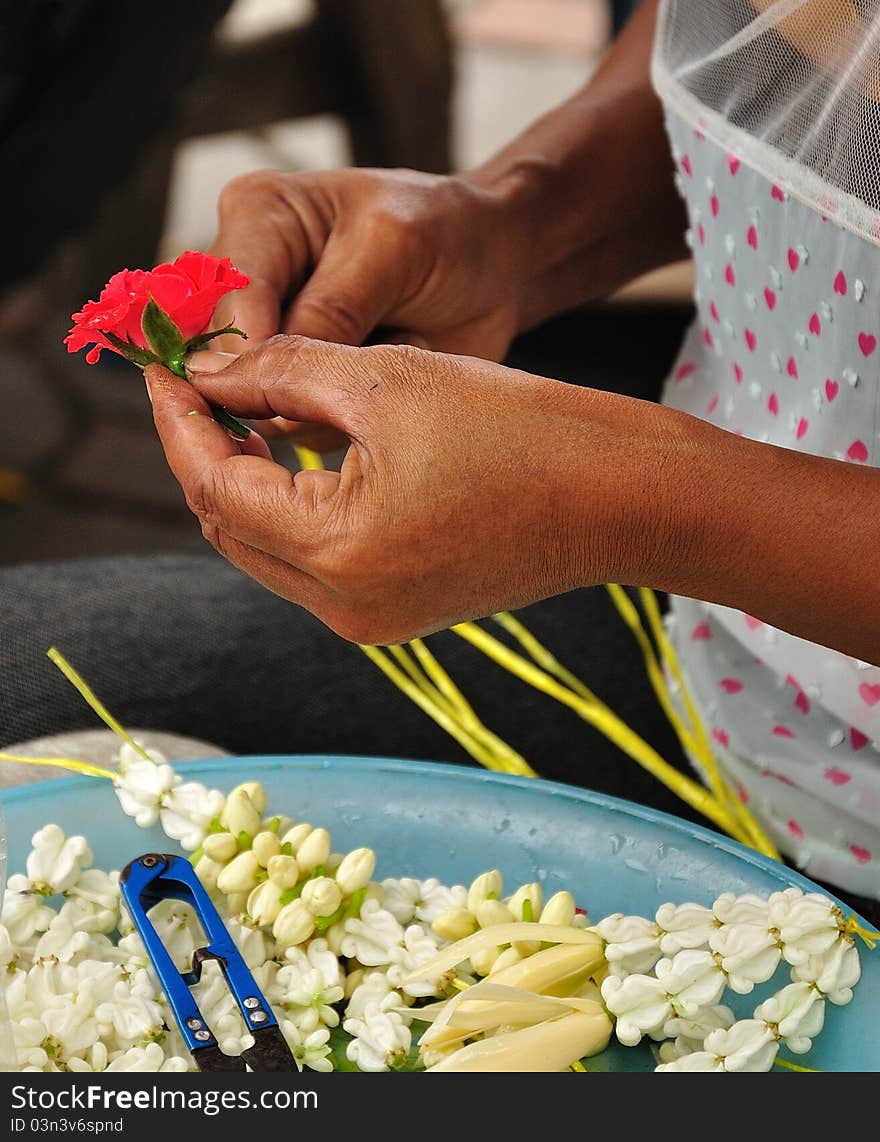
(352, 255)
(467, 487)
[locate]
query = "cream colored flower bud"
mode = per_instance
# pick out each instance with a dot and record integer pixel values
(283, 870)
(322, 896)
(221, 847)
(454, 924)
(356, 870)
(264, 903)
(334, 936)
(531, 893)
(277, 824)
(509, 956)
(483, 961)
(487, 884)
(352, 980)
(491, 912)
(240, 875)
(332, 863)
(240, 815)
(257, 794)
(314, 850)
(559, 909)
(207, 871)
(265, 845)
(374, 892)
(293, 924)
(296, 835)
(236, 903)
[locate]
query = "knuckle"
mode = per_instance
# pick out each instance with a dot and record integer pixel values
(207, 494)
(245, 189)
(340, 312)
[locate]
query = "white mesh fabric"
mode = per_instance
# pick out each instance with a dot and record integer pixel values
(792, 87)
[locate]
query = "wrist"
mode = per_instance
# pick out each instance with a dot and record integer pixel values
(512, 194)
(636, 511)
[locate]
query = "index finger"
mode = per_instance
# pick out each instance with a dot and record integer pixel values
(257, 232)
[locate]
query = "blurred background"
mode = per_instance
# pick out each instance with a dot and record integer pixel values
(122, 122)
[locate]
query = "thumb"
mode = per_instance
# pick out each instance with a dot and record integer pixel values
(346, 297)
(292, 377)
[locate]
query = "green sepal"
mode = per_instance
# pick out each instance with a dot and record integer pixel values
(133, 353)
(203, 338)
(162, 335)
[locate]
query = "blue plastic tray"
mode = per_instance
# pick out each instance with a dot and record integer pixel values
(430, 819)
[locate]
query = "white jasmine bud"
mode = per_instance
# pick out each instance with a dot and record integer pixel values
(264, 903)
(293, 924)
(559, 909)
(265, 845)
(277, 824)
(220, 847)
(236, 903)
(335, 936)
(483, 961)
(492, 912)
(487, 885)
(507, 958)
(283, 870)
(240, 875)
(314, 850)
(240, 814)
(322, 896)
(455, 924)
(257, 794)
(355, 870)
(527, 902)
(295, 836)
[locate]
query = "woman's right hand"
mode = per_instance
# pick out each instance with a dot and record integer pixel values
(358, 255)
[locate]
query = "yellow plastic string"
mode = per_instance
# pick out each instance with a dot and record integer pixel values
(507, 757)
(607, 722)
(541, 654)
(868, 935)
(308, 459)
(704, 750)
(97, 705)
(439, 714)
(695, 740)
(70, 763)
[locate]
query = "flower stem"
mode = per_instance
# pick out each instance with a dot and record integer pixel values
(238, 430)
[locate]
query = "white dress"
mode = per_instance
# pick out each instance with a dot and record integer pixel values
(785, 349)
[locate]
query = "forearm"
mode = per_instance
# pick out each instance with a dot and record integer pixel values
(790, 538)
(589, 187)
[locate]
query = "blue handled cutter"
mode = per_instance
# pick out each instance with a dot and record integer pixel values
(153, 877)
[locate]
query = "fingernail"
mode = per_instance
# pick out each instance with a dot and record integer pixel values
(149, 389)
(208, 361)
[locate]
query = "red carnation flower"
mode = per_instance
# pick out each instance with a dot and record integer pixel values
(187, 291)
(159, 315)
